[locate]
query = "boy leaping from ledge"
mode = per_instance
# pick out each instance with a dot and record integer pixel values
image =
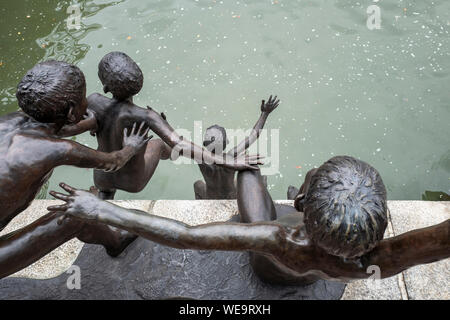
(121, 76)
(51, 94)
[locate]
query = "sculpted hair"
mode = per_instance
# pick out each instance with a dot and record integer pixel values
(345, 207)
(120, 75)
(49, 89)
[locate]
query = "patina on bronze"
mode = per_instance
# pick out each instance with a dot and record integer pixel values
(121, 76)
(338, 236)
(219, 182)
(50, 95)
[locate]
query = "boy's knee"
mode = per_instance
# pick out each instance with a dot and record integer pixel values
(199, 189)
(106, 194)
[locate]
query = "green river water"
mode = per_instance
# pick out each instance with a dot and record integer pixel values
(382, 95)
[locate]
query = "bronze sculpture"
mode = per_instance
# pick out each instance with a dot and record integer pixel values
(219, 181)
(338, 236)
(121, 76)
(51, 94)
(334, 232)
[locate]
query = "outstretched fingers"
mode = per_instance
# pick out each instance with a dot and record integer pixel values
(148, 139)
(61, 207)
(255, 158)
(136, 131)
(59, 196)
(140, 128)
(68, 188)
(144, 134)
(276, 100)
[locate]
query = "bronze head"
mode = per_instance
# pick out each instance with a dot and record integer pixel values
(215, 139)
(120, 75)
(345, 207)
(53, 92)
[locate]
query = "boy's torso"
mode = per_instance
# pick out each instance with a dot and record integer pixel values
(112, 118)
(28, 155)
(220, 182)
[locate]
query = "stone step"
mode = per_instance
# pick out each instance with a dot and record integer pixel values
(431, 281)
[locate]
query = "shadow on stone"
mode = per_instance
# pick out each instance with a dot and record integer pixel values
(146, 270)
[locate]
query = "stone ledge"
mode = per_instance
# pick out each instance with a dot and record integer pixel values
(430, 281)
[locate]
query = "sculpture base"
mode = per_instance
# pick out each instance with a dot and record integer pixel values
(146, 270)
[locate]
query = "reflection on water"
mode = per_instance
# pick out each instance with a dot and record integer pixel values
(66, 45)
(60, 44)
(63, 45)
(380, 95)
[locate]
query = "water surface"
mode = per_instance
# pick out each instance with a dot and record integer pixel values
(379, 95)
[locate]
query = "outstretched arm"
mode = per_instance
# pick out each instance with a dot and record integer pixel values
(161, 127)
(89, 123)
(266, 109)
(81, 204)
(391, 256)
(78, 155)
(426, 245)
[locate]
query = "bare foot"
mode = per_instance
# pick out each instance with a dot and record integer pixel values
(124, 239)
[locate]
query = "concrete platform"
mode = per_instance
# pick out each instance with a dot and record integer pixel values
(431, 281)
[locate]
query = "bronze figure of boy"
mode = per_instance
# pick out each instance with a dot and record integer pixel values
(121, 76)
(219, 181)
(50, 95)
(338, 235)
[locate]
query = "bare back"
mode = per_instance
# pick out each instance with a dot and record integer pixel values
(26, 152)
(220, 182)
(112, 118)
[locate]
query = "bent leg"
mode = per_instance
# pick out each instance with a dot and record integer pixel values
(113, 239)
(156, 150)
(106, 194)
(25, 246)
(200, 190)
(254, 201)
(255, 204)
(264, 179)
